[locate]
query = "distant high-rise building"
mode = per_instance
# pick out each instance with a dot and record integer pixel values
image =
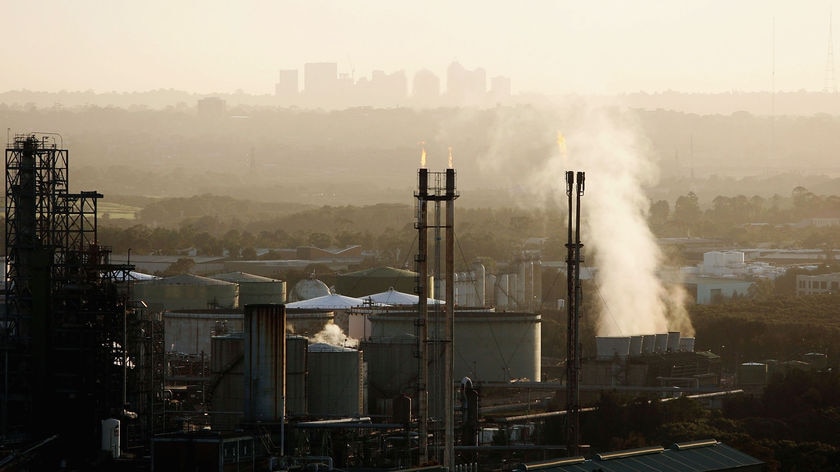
(287, 84)
(425, 88)
(500, 88)
(389, 89)
(465, 87)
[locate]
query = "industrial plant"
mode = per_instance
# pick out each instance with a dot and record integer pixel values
(429, 369)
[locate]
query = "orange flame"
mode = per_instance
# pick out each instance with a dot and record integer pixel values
(450, 157)
(423, 155)
(561, 144)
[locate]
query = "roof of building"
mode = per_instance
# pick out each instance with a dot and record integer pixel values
(381, 272)
(240, 277)
(186, 279)
(695, 456)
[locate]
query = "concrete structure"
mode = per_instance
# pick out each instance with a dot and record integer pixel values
(187, 292)
(708, 290)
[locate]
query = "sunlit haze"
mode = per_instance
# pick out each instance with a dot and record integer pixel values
(551, 47)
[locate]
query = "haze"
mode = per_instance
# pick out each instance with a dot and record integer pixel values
(544, 46)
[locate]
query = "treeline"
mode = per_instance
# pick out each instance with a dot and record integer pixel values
(794, 425)
(217, 225)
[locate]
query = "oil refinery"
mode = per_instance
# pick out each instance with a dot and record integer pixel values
(105, 372)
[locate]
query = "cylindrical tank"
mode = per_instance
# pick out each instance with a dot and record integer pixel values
(226, 355)
(687, 344)
(635, 345)
(111, 436)
(479, 275)
(256, 289)
(608, 347)
(490, 282)
(503, 291)
(336, 381)
(392, 370)
(648, 343)
(489, 346)
(187, 292)
(296, 350)
(661, 342)
(752, 374)
(265, 367)
(673, 341)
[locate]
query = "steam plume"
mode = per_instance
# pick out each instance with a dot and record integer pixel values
(334, 336)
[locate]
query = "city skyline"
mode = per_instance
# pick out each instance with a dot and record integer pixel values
(602, 47)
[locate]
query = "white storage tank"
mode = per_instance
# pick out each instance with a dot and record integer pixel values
(255, 289)
(189, 331)
(608, 347)
(111, 437)
(335, 383)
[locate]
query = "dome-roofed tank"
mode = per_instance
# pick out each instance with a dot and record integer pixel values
(256, 289)
(309, 288)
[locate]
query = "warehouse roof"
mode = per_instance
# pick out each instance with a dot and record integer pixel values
(696, 456)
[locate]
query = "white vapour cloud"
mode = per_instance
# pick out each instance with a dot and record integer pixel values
(333, 335)
(604, 144)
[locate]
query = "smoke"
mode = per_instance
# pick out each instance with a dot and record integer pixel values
(630, 298)
(333, 335)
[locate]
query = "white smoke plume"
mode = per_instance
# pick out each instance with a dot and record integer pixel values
(333, 335)
(631, 299)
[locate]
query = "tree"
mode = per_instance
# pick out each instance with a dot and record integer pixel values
(182, 266)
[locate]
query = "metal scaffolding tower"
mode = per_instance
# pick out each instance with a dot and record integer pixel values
(574, 295)
(64, 328)
(435, 389)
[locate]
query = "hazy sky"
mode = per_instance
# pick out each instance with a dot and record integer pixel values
(600, 46)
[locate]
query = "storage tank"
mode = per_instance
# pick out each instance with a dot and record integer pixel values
(256, 289)
(111, 437)
(264, 363)
(189, 331)
(307, 289)
(479, 276)
(226, 394)
(336, 381)
(488, 346)
(296, 362)
(392, 370)
(752, 374)
(673, 341)
(608, 347)
(687, 344)
(635, 345)
(379, 279)
(187, 292)
(660, 342)
(502, 290)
